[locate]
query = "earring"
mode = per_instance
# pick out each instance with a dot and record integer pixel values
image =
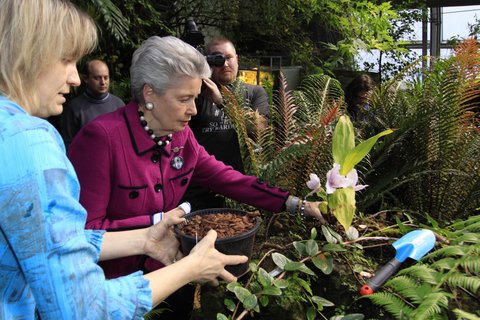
(149, 106)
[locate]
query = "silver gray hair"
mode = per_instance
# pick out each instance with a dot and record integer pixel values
(161, 61)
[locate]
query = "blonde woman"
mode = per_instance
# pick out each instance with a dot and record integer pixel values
(48, 261)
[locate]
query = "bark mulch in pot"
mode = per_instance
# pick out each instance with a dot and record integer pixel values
(226, 224)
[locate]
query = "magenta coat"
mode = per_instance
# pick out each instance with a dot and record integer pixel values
(125, 178)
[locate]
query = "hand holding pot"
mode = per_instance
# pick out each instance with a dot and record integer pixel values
(210, 263)
(161, 243)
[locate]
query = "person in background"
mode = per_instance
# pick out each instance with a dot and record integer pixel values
(211, 126)
(357, 97)
(94, 101)
(48, 262)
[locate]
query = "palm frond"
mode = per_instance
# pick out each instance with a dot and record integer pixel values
(115, 22)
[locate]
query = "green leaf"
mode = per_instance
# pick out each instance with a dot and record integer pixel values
(311, 313)
(264, 300)
(305, 285)
(324, 263)
(280, 260)
(251, 302)
(293, 266)
(331, 247)
(272, 291)
(248, 299)
(255, 287)
(232, 285)
(221, 317)
(352, 316)
(281, 283)
(229, 304)
(343, 140)
(352, 233)
(401, 226)
(300, 247)
(328, 235)
(306, 270)
(342, 204)
(323, 206)
(355, 155)
(322, 301)
(264, 278)
(311, 247)
(313, 233)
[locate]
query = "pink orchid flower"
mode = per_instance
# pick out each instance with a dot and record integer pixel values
(336, 181)
(314, 182)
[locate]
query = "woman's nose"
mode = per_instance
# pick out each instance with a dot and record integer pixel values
(73, 77)
(192, 109)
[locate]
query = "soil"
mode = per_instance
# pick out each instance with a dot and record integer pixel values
(226, 224)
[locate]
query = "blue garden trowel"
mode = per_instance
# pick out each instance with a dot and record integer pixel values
(414, 244)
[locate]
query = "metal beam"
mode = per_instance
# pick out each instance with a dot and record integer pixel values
(435, 31)
(451, 3)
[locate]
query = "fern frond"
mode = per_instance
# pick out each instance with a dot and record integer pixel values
(464, 281)
(432, 305)
(430, 163)
(283, 116)
(465, 315)
(242, 118)
(462, 224)
(392, 304)
(469, 237)
(444, 264)
(408, 288)
(471, 264)
(423, 273)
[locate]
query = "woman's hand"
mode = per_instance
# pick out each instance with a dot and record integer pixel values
(213, 94)
(210, 263)
(312, 209)
(161, 243)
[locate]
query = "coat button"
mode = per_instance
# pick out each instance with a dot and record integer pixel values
(270, 185)
(133, 194)
(184, 181)
(158, 187)
(260, 181)
(155, 158)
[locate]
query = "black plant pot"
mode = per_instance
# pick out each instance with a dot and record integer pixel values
(241, 244)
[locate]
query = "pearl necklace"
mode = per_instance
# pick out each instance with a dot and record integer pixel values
(158, 141)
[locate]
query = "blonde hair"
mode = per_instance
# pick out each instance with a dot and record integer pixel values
(34, 34)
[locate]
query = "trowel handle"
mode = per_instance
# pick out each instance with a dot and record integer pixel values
(381, 276)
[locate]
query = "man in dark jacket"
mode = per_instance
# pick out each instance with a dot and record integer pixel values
(94, 101)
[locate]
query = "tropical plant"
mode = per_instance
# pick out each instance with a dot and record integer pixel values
(298, 137)
(431, 162)
(109, 16)
(446, 281)
(289, 286)
(342, 180)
